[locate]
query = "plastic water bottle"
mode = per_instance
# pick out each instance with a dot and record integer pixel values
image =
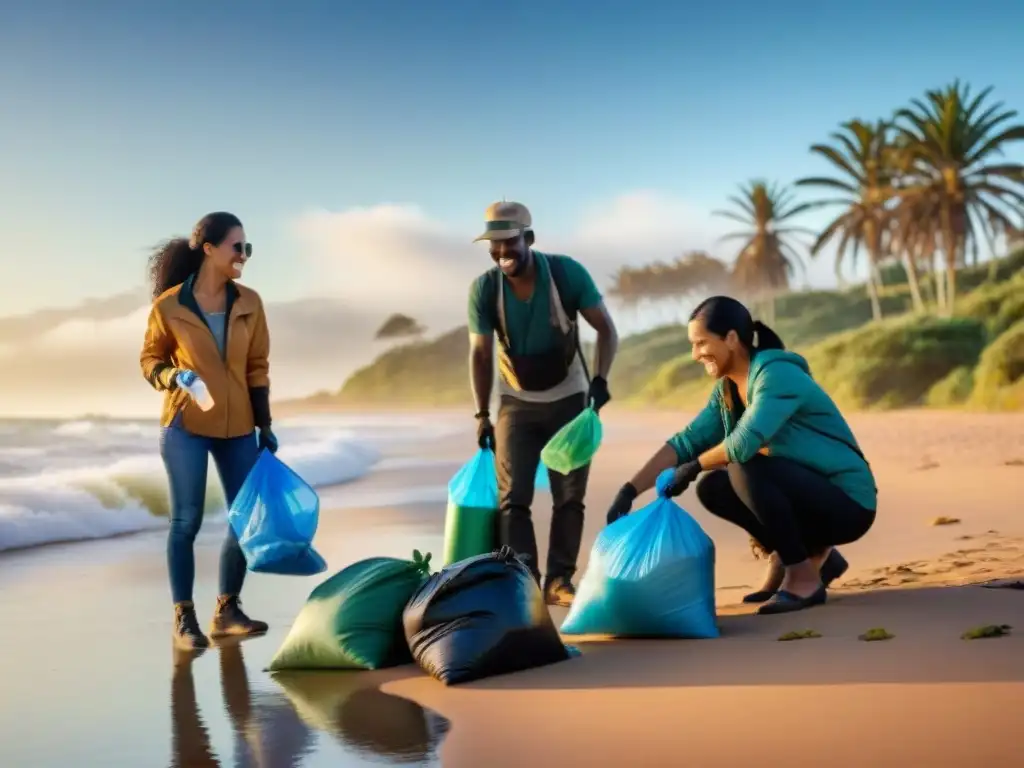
(196, 387)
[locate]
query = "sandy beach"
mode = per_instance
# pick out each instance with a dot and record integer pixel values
(90, 676)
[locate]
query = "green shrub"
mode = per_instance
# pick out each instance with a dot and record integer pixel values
(893, 363)
(997, 379)
(899, 362)
(669, 377)
(997, 305)
(954, 389)
(642, 354)
(422, 372)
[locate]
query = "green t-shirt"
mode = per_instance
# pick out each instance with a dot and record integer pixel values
(528, 323)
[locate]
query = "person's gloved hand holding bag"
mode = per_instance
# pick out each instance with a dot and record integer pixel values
(484, 431)
(259, 397)
(598, 395)
(679, 480)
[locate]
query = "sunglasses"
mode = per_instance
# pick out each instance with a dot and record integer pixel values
(241, 248)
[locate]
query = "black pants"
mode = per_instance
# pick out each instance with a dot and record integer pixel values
(787, 507)
(521, 432)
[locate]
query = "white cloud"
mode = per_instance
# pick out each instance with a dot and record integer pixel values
(82, 365)
(370, 262)
(395, 258)
(87, 337)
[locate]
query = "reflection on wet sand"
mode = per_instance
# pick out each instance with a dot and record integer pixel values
(267, 732)
(364, 719)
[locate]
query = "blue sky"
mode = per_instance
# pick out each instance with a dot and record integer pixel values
(123, 122)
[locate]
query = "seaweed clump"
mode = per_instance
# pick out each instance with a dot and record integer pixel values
(988, 630)
(799, 634)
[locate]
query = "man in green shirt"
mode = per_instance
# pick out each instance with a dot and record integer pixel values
(530, 301)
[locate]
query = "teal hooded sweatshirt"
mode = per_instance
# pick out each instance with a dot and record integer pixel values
(789, 416)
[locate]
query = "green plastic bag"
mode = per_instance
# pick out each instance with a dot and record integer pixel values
(354, 619)
(470, 526)
(575, 444)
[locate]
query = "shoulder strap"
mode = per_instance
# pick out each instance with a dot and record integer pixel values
(558, 275)
(557, 269)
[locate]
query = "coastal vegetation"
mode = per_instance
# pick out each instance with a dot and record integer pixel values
(921, 196)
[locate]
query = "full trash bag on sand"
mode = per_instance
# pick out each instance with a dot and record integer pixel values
(575, 444)
(471, 523)
(275, 516)
(470, 526)
(353, 620)
(481, 617)
(650, 574)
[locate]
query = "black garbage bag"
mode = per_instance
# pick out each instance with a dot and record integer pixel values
(480, 617)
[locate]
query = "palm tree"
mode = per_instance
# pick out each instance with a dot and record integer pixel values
(767, 259)
(916, 246)
(864, 186)
(954, 186)
(663, 284)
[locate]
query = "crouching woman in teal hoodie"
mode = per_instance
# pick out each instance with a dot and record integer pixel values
(781, 460)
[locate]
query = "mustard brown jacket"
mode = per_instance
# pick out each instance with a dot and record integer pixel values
(178, 338)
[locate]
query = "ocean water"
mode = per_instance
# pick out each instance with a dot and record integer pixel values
(73, 480)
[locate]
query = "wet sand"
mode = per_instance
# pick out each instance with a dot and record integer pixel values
(91, 679)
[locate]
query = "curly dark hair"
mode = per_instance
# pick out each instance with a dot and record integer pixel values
(176, 259)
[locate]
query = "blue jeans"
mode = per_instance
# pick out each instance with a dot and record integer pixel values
(186, 458)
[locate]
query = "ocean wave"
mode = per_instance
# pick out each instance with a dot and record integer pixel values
(129, 494)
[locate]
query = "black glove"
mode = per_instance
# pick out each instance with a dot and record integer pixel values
(259, 399)
(598, 395)
(484, 430)
(268, 440)
(622, 504)
(681, 478)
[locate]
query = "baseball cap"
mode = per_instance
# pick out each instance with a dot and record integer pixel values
(505, 220)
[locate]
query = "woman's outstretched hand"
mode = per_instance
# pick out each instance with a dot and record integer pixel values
(622, 504)
(681, 479)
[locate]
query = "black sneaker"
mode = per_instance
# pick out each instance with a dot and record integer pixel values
(187, 634)
(559, 591)
(230, 619)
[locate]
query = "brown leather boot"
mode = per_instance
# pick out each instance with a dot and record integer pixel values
(187, 634)
(230, 619)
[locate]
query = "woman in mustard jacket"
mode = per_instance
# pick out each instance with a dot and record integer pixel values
(203, 322)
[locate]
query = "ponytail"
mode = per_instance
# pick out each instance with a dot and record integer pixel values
(722, 314)
(172, 263)
(177, 259)
(765, 337)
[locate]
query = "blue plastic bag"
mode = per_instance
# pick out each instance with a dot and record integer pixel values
(470, 526)
(543, 480)
(471, 522)
(651, 574)
(275, 516)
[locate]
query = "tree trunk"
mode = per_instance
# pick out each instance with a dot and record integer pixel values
(993, 267)
(876, 307)
(915, 288)
(950, 286)
(939, 278)
(950, 251)
(874, 278)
